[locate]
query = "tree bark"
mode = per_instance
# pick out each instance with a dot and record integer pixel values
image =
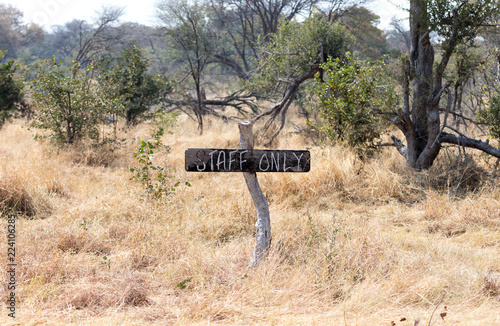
(470, 143)
(263, 224)
(420, 122)
(421, 153)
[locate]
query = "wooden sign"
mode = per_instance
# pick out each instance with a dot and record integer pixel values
(246, 160)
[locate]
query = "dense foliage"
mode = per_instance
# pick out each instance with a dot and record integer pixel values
(70, 108)
(11, 88)
(490, 116)
(295, 47)
(128, 76)
(351, 88)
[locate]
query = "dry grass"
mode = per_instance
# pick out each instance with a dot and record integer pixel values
(354, 242)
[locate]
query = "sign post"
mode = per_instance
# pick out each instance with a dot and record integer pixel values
(249, 161)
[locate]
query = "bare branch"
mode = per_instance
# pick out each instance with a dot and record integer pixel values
(402, 149)
(465, 141)
(461, 116)
(438, 95)
(293, 85)
(235, 100)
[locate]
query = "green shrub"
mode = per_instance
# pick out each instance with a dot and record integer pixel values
(490, 116)
(70, 107)
(10, 88)
(155, 178)
(347, 98)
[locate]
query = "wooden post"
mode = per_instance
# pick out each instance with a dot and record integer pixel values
(249, 161)
(263, 224)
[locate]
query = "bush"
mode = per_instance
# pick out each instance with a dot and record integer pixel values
(352, 88)
(138, 90)
(70, 108)
(10, 88)
(154, 178)
(490, 116)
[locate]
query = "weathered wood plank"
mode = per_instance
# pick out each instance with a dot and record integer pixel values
(246, 160)
(263, 224)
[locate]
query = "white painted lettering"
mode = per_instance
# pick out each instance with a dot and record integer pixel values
(268, 163)
(212, 168)
(298, 161)
(242, 160)
(230, 159)
(198, 165)
(223, 162)
(285, 169)
(275, 160)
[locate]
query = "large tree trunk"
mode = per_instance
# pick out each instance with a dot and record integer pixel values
(420, 121)
(422, 124)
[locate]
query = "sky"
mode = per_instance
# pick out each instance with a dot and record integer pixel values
(58, 12)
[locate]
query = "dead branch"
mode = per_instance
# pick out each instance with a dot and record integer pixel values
(235, 100)
(287, 99)
(461, 116)
(465, 141)
(402, 149)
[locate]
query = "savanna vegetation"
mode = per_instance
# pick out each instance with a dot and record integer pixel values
(397, 223)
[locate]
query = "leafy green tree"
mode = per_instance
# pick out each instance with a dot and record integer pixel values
(131, 82)
(243, 25)
(70, 108)
(294, 55)
(11, 88)
(369, 40)
(351, 88)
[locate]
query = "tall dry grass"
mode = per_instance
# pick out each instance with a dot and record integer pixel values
(354, 242)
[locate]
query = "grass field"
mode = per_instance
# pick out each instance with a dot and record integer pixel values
(354, 242)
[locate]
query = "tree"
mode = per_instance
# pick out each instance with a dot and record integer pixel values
(398, 38)
(129, 78)
(10, 28)
(294, 55)
(369, 40)
(238, 30)
(10, 88)
(271, 12)
(14, 35)
(334, 10)
(187, 25)
(457, 23)
(70, 107)
(83, 42)
(243, 26)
